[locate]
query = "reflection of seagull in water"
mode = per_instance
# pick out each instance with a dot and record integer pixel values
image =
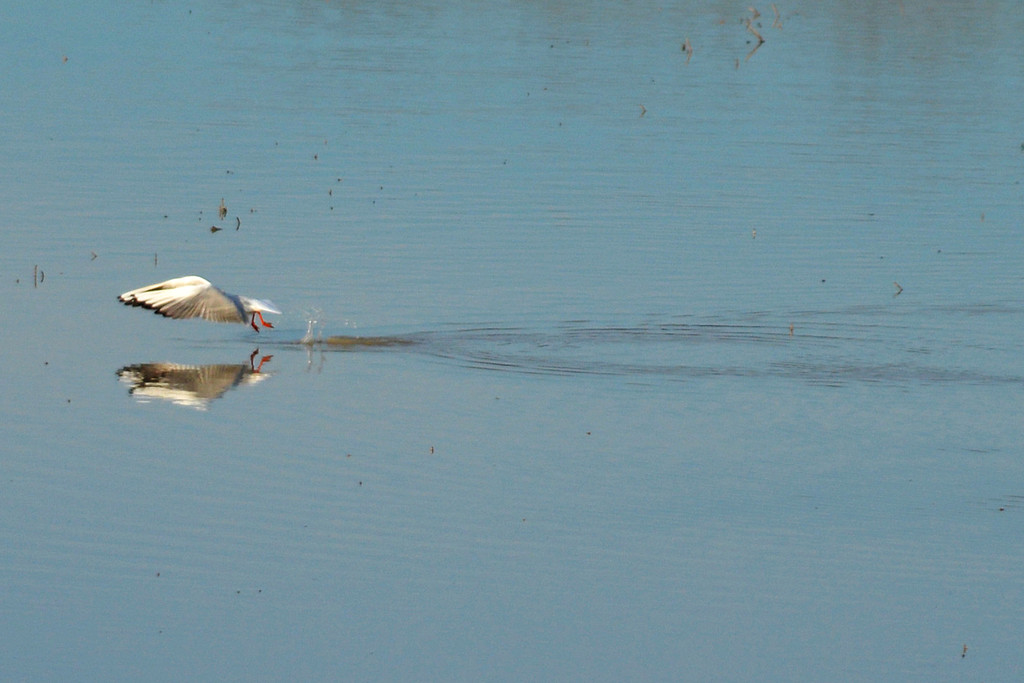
(194, 297)
(189, 385)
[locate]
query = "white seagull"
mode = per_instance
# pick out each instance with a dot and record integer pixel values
(195, 297)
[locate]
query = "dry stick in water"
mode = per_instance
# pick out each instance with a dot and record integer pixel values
(760, 40)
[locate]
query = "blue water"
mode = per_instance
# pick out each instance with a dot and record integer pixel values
(618, 367)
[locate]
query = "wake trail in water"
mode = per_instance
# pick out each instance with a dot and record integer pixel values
(824, 348)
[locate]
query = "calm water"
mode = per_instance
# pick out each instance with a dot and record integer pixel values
(623, 364)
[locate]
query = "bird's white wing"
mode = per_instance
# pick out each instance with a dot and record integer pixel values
(187, 297)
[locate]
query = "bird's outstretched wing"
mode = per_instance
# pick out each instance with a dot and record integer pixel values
(187, 297)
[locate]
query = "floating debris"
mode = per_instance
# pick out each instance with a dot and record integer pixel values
(760, 39)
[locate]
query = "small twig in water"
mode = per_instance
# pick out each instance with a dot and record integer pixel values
(750, 27)
(760, 40)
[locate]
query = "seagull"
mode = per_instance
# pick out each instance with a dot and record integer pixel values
(195, 297)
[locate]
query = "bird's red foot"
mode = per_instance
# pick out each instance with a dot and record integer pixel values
(264, 322)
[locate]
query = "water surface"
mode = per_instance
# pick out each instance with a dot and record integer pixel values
(624, 364)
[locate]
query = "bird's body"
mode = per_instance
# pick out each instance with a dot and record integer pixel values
(195, 297)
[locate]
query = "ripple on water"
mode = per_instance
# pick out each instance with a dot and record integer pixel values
(825, 348)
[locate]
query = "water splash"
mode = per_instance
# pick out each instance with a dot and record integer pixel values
(314, 329)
